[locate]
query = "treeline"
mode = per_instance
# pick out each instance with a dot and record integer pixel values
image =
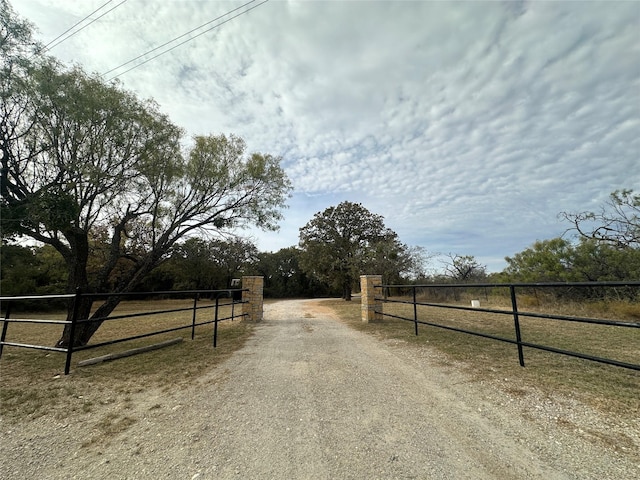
(198, 264)
(333, 252)
(608, 247)
(605, 248)
(195, 265)
(559, 260)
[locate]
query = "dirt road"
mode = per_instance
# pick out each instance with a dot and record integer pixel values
(310, 398)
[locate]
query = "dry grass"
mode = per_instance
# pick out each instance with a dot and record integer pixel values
(607, 388)
(32, 383)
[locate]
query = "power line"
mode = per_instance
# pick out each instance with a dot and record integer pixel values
(187, 40)
(48, 46)
(174, 39)
(76, 24)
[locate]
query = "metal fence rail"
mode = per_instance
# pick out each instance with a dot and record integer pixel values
(9, 302)
(514, 312)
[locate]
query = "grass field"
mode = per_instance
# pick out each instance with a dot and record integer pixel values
(610, 389)
(32, 384)
(32, 381)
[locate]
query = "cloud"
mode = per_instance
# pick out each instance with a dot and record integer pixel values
(469, 126)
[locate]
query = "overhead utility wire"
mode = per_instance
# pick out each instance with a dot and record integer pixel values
(76, 24)
(174, 39)
(48, 46)
(189, 39)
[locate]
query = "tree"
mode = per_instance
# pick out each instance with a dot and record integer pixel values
(17, 47)
(18, 270)
(284, 278)
(464, 268)
(617, 223)
(544, 261)
(390, 258)
(595, 261)
(31, 270)
(198, 264)
(419, 266)
(559, 260)
(340, 242)
(191, 266)
(233, 258)
(80, 156)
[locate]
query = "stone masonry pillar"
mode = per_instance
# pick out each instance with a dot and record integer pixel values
(254, 298)
(371, 308)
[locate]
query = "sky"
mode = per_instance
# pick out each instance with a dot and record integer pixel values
(469, 126)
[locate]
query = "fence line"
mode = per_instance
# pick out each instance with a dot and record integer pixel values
(515, 313)
(75, 321)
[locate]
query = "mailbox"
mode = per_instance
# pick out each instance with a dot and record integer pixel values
(236, 283)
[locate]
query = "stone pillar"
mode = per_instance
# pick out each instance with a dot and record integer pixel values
(371, 308)
(254, 298)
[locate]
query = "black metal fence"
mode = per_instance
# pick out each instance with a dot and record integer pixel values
(233, 297)
(408, 295)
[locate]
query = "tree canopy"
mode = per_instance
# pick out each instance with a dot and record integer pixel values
(559, 260)
(285, 278)
(198, 264)
(83, 159)
(341, 242)
(464, 268)
(544, 261)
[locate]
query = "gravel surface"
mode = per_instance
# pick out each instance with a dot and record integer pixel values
(310, 398)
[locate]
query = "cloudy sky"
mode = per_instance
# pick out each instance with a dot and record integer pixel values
(468, 125)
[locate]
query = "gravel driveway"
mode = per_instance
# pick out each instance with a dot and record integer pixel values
(310, 398)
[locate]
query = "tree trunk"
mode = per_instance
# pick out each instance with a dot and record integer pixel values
(346, 291)
(80, 311)
(85, 330)
(79, 308)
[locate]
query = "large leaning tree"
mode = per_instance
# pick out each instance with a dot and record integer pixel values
(82, 159)
(345, 241)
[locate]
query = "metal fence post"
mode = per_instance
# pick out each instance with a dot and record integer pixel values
(72, 330)
(415, 311)
(215, 324)
(516, 321)
(233, 308)
(193, 318)
(5, 324)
